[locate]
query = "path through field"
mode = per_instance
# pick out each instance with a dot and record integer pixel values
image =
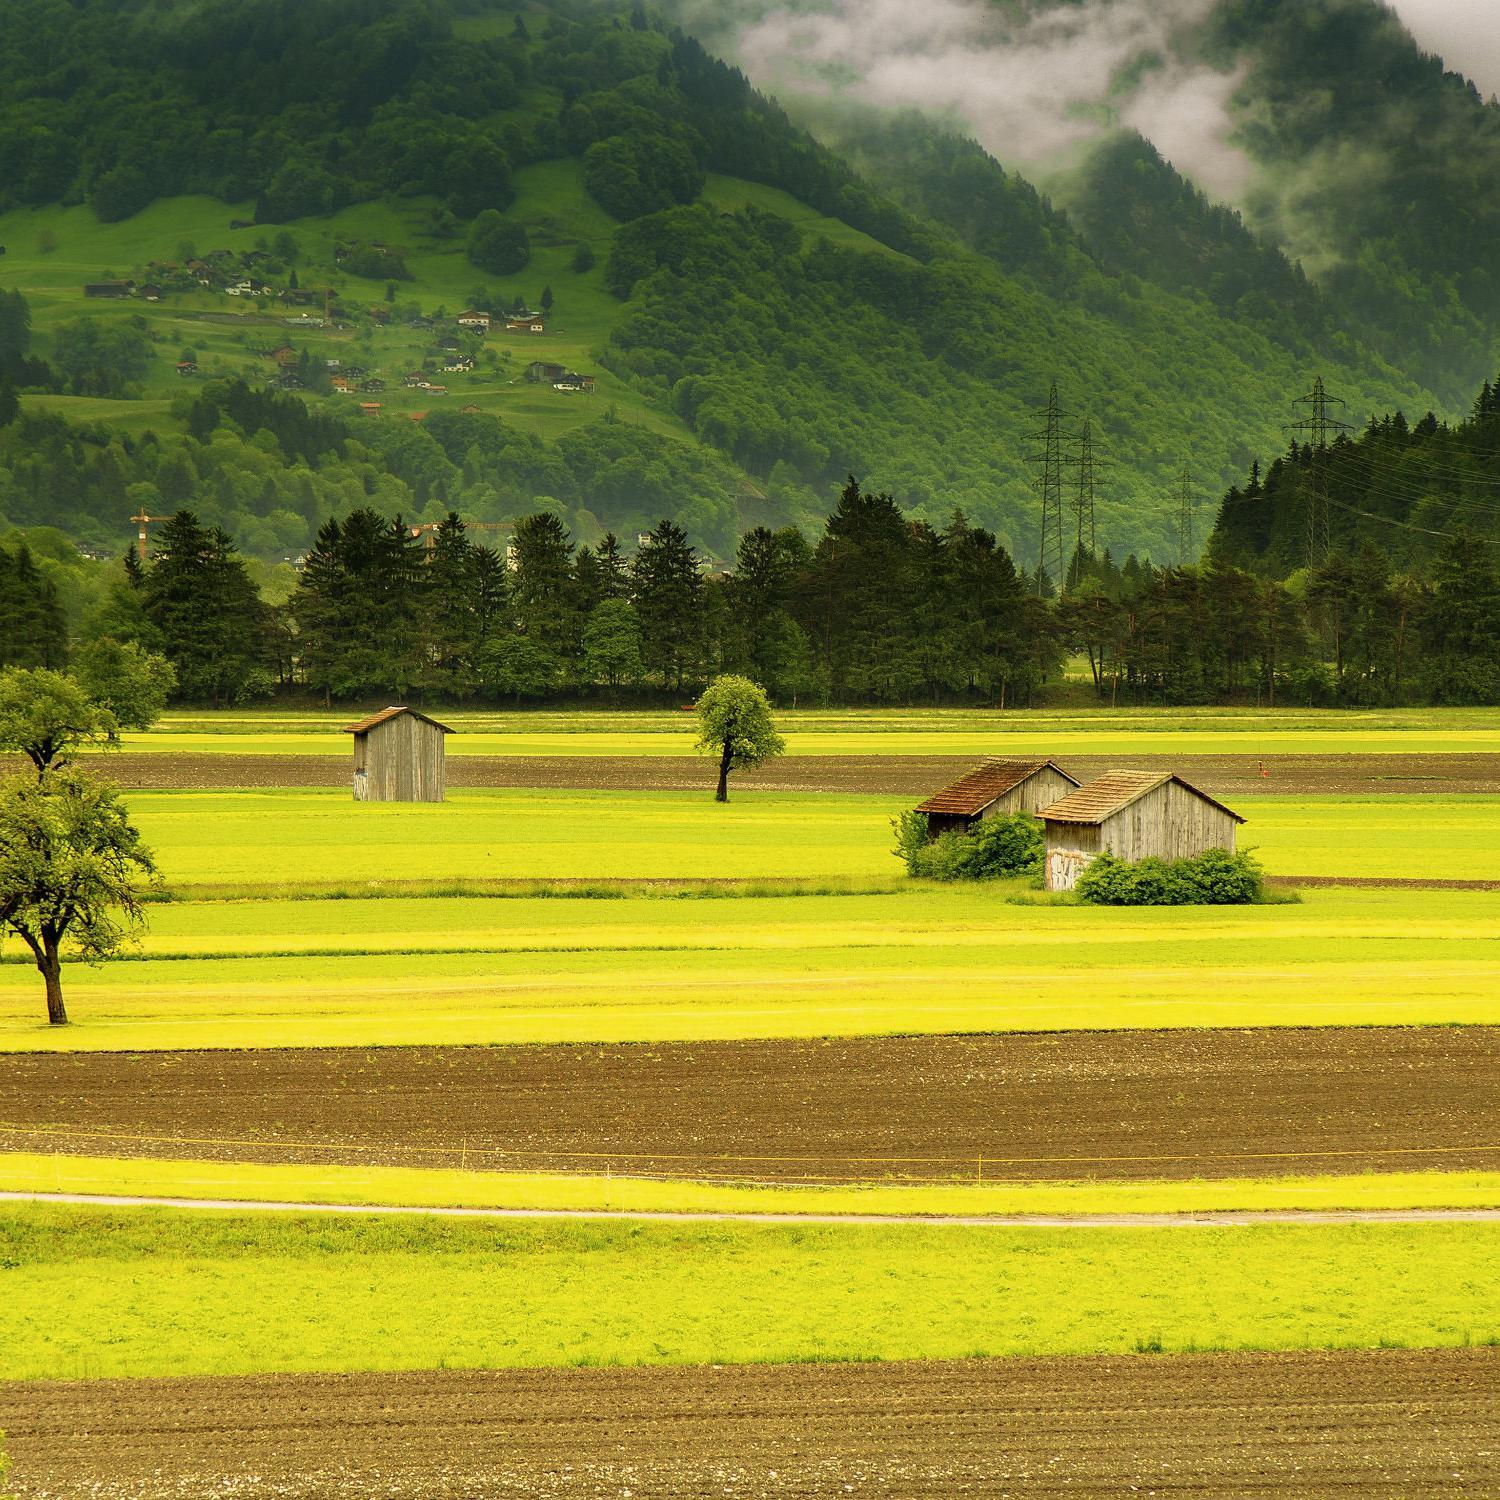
(665, 1216)
(1386, 1422)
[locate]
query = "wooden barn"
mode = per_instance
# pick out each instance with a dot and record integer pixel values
(998, 786)
(1132, 814)
(398, 757)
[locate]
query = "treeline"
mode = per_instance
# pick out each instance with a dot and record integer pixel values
(1400, 488)
(1353, 631)
(879, 608)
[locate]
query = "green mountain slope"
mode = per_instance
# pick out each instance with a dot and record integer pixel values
(759, 318)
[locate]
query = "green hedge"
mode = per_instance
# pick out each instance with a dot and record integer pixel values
(1214, 878)
(1006, 844)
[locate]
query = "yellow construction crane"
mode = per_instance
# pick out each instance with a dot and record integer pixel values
(142, 521)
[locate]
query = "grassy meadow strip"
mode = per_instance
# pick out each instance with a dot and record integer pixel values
(390, 972)
(1001, 739)
(419, 1187)
(922, 916)
(322, 837)
(1146, 720)
(977, 732)
(111, 1292)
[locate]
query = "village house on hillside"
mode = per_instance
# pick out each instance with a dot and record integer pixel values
(1132, 815)
(473, 318)
(998, 786)
(398, 757)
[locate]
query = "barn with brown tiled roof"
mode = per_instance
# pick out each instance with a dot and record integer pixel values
(998, 786)
(1132, 815)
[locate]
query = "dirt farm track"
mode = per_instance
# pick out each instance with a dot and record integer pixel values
(1386, 1422)
(896, 775)
(1115, 1105)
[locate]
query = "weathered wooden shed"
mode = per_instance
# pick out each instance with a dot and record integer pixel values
(1132, 814)
(398, 757)
(998, 786)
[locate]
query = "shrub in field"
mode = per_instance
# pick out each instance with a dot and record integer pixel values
(1214, 878)
(1006, 844)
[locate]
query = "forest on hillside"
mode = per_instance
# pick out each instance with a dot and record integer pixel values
(876, 607)
(918, 356)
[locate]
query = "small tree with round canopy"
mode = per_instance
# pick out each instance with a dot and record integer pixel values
(46, 715)
(734, 722)
(72, 868)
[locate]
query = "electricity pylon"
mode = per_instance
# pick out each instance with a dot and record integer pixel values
(1051, 559)
(1317, 425)
(1187, 508)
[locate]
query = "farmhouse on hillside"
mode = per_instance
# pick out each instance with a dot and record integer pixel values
(398, 757)
(1132, 814)
(998, 786)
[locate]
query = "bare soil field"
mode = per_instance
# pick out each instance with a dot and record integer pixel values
(897, 775)
(1046, 1107)
(1387, 1422)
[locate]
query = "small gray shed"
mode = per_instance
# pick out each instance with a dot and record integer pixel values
(998, 786)
(398, 757)
(1132, 814)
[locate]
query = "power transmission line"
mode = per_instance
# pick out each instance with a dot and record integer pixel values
(1318, 424)
(1369, 515)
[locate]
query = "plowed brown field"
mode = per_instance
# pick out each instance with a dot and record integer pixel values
(1166, 1104)
(898, 775)
(1388, 1422)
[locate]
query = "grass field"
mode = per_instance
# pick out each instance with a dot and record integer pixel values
(156, 1292)
(642, 969)
(265, 840)
(876, 732)
(425, 1187)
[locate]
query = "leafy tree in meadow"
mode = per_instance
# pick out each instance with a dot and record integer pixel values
(735, 723)
(47, 716)
(497, 244)
(72, 868)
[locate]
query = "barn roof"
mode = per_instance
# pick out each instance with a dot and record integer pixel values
(1116, 790)
(365, 725)
(973, 793)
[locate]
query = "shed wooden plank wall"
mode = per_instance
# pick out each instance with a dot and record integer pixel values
(402, 762)
(1040, 789)
(1170, 823)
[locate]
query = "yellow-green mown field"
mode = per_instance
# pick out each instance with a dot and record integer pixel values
(161, 1292)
